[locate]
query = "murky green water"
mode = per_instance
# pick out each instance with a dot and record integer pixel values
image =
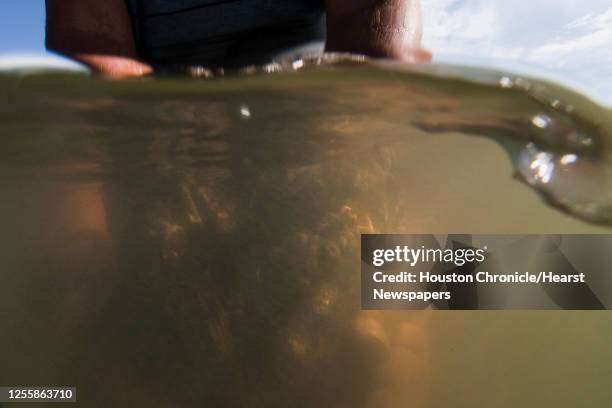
(182, 242)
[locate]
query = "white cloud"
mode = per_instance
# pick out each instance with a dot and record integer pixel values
(446, 21)
(587, 34)
(36, 62)
(566, 38)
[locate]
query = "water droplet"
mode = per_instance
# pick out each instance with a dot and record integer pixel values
(541, 121)
(579, 139)
(245, 112)
(297, 64)
(522, 84)
(272, 67)
(536, 166)
(200, 72)
(506, 82)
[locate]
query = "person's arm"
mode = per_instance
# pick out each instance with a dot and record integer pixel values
(377, 28)
(97, 33)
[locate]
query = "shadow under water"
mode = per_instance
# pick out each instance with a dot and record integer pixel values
(175, 242)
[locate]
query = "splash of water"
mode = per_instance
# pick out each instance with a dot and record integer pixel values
(566, 158)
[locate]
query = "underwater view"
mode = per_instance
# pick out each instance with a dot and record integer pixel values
(193, 239)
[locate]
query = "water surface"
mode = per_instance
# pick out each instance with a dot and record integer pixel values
(188, 242)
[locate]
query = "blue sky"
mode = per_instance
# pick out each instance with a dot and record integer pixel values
(568, 40)
(22, 26)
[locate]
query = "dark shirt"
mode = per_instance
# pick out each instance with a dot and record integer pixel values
(226, 33)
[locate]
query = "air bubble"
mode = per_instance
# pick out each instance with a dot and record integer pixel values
(541, 121)
(568, 159)
(245, 112)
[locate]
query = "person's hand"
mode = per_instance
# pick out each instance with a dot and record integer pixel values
(377, 28)
(95, 33)
(113, 66)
